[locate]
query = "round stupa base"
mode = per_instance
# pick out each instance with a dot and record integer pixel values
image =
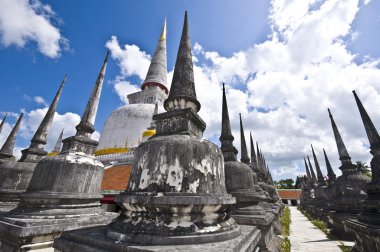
(173, 219)
(162, 231)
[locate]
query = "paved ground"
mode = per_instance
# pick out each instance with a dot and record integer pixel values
(305, 237)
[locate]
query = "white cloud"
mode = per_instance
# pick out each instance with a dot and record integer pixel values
(40, 100)
(124, 88)
(130, 59)
(22, 21)
(284, 85)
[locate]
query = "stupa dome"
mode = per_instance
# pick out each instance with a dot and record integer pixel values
(125, 126)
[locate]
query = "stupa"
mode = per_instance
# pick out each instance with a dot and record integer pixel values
(64, 191)
(176, 198)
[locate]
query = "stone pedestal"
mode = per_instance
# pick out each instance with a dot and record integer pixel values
(366, 236)
(15, 178)
(339, 225)
(63, 194)
(94, 239)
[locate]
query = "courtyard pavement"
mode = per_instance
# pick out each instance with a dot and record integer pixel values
(305, 237)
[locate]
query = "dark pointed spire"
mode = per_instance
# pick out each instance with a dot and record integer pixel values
(182, 91)
(309, 178)
(58, 146)
(157, 72)
(6, 152)
(226, 138)
(311, 170)
(86, 125)
(343, 154)
(36, 149)
(253, 153)
(372, 134)
(317, 167)
(330, 171)
(244, 151)
(2, 122)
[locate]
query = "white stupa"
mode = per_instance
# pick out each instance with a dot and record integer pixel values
(127, 126)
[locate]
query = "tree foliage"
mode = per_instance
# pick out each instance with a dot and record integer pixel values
(363, 168)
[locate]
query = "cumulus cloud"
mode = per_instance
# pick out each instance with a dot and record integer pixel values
(40, 100)
(30, 123)
(132, 63)
(284, 85)
(23, 21)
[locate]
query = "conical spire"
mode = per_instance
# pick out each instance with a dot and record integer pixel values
(258, 154)
(253, 153)
(244, 151)
(330, 171)
(343, 154)
(372, 134)
(307, 171)
(36, 148)
(2, 122)
(226, 138)
(311, 170)
(157, 72)
(86, 125)
(317, 167)
(182, 91)
(58, 146)
(6, 152)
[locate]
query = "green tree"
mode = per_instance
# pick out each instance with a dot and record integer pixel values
(298, 182)
(363, 168)
(284, 184)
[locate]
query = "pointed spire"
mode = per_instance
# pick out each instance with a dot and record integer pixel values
(258, 153)
(309, 178)
(244, 151)
(253, 153)
(182, 91)
(343, 154)
(152, 125)
(2, 122)
(36, 149)
(86, 125)
(226, 138)
(317, 167)
(311, 170)
(372, 134)
(6, 152)
(157, 72)
(58, 146)
(330, 171)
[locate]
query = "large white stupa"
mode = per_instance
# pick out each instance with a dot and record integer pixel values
(127, 126)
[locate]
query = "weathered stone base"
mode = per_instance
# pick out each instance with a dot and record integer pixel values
(265, 222)
(339, 225)
(29, 234)
(9, 199)
(366, 236)
(95, 240)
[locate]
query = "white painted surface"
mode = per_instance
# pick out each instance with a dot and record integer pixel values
(124, 127)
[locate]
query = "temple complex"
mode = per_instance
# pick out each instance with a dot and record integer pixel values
(154, 183)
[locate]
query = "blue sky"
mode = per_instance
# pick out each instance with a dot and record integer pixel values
(231, 35)
(28, 72)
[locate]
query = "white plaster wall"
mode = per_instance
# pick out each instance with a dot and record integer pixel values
(126, 124)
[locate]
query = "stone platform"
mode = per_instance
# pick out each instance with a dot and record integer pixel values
(95, 240)
(367, 236)
(265, 222)
(29, 234)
